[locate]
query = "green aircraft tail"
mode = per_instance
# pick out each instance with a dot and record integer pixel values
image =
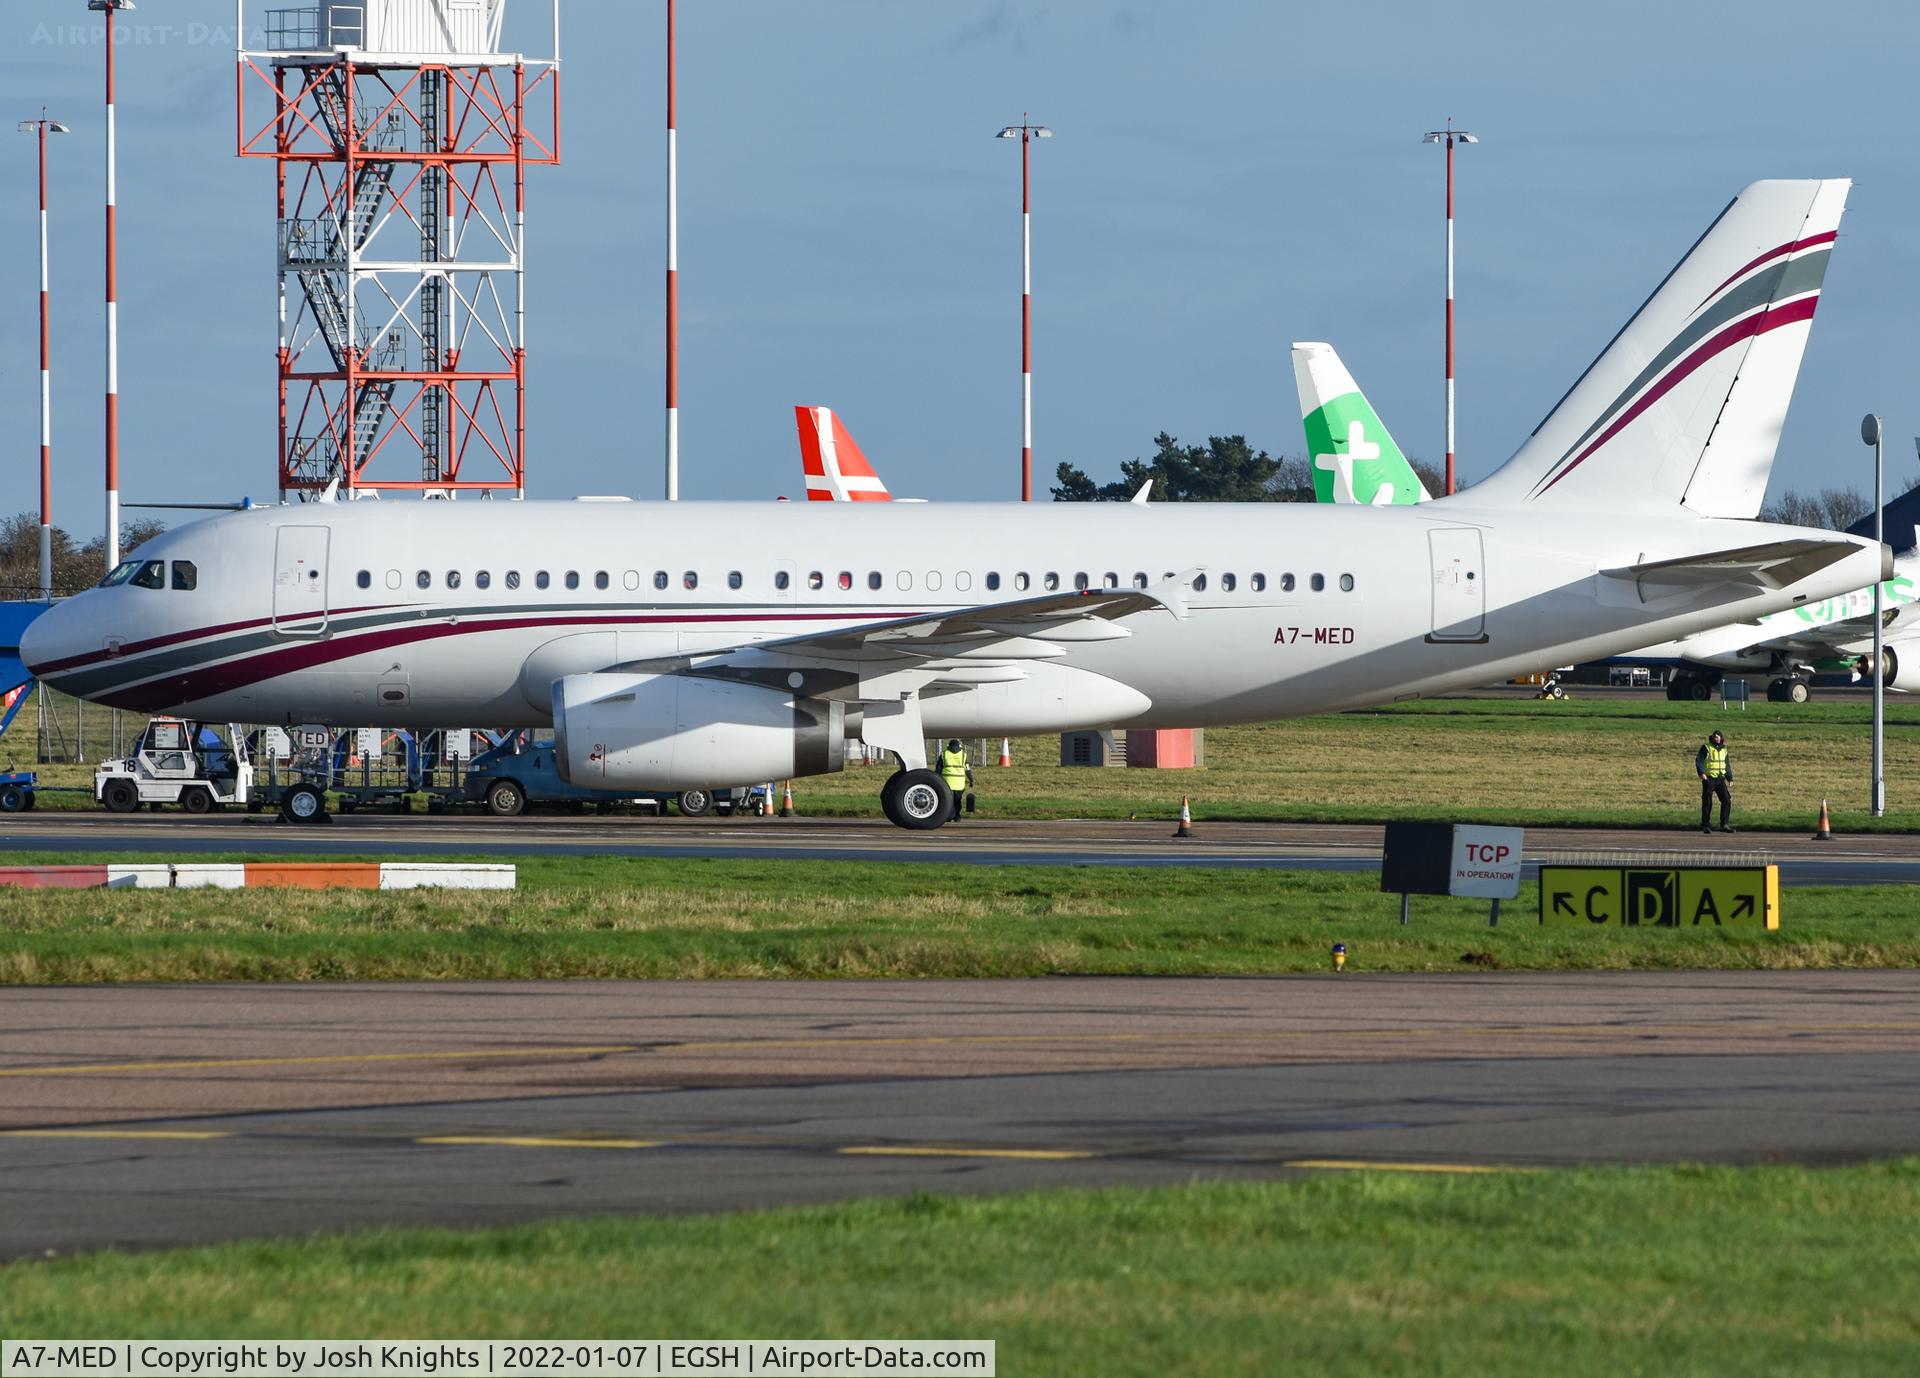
(1354, 459)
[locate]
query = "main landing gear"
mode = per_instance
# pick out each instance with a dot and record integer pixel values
(1788, 690)
(916, 799)
(1692, 685)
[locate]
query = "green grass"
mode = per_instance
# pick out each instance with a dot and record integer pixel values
(1670, 1270)
(668, 918)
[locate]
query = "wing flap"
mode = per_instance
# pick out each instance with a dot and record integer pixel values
(1773, 565)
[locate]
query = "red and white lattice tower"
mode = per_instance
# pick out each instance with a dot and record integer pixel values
(400, 137)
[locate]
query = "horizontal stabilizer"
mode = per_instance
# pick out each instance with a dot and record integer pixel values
(1774, 565)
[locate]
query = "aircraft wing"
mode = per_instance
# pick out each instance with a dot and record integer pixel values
(1773, 565)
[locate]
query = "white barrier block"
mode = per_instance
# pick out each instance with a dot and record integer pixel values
(210, 875)
(406, 875)
(144, 876)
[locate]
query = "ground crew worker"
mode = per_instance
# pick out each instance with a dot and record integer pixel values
(1714, 766)
(956, 772)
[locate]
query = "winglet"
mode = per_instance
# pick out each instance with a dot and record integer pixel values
(836, 470)
(1145, 494)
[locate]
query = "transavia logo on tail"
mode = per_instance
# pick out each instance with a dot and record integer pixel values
(1354, 459)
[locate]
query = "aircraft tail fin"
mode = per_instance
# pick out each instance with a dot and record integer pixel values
(1685, 405)
(1353, 458)
(836, 470)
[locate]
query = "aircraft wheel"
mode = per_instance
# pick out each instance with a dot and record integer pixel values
(1798, 691)
(922, 801)
(1677, 687)
(196, 799)
(13, 799)
(1699, 690)
(1891, 672)
(304, 804)
(694, 803)
(120, 796)
(505, 799)
(890, 798)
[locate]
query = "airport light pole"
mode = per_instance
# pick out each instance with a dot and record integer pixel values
(1874, 435)
(112, 542)
(1026, 133)
(43, 127)
(1450, 136)
(673, 278)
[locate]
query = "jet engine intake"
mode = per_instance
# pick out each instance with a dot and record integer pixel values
(679, 731)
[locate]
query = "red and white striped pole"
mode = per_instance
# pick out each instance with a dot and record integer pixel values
(108, 7)
(43, 127)
(673, 279)
(1026, 133)
(1449, 136)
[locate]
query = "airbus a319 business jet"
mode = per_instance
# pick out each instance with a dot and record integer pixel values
(1624, 519)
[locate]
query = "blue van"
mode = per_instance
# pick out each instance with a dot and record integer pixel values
(520, 774)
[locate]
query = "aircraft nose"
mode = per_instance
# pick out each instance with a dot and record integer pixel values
(43, 641)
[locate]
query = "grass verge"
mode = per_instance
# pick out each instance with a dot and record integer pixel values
(672, 918)
(1593, 1271)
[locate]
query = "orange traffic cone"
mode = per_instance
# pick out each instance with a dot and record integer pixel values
(1186, 819)
(1006, 752)
(1825, 831)
(786, 801)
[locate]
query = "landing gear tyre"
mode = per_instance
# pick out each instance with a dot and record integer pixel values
(120, 796)
(922, 801)
(890, 798)
(13, 799)
(196, 799)
(304, 804)
(505, 799)
(1798, 691)
(1776, 691)
(694, 803)
(1699, 690)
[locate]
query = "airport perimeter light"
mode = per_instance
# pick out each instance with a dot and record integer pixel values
(43, 127)
(1449, 136)
(1873, 434)
(112, 542)
(1026, 133)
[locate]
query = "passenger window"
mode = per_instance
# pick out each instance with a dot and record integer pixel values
(453, 578)
(1021, 582)
(874, 581)
(962, 581)
(393, 578)
(152, 575)
(542, 579)
(690, 580)
(1080, 581)
(600, 580)
(186, 578)
(1227, 583)
(483, 580)
(1051, 581)
(573, 578)
(846, 578)
(1286, 583)
(1319, 583)
(513, 578)
(933, 579)
(903, 580)
(1110, 580)
(631, 579)
(1199, 583)
(1259, 583)
(816, 580)
(423, 580)
(734, 580)
(1140, 579)
(781, 579)
(364, 579)
(1346, 583)
(993, 581)
(660, 579)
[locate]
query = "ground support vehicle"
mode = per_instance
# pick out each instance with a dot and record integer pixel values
(178, 762)
(520, 774)
(364, 767)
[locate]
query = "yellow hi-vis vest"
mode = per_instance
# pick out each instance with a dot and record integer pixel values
(1716, 761)
(953, 769)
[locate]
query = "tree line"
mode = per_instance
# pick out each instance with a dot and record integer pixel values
(77, 565)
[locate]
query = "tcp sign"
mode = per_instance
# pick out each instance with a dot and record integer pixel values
(1486, 862)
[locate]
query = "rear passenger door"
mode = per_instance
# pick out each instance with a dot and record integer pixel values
(300, 581)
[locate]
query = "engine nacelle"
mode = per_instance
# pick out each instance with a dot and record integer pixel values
(677, 731)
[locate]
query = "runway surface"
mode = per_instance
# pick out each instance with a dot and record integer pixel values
(146, 1116)
(1851, 860)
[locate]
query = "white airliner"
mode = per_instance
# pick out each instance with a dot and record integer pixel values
(664, 663)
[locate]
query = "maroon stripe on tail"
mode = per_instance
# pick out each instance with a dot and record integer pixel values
(1757, 324)
(1792, 246)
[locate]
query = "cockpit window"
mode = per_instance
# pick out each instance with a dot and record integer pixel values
(120, 573)
(185, 576)
(152, 574)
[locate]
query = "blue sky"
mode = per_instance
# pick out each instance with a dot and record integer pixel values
(1225, 178)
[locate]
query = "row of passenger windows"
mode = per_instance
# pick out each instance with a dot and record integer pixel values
(817, 580)
(152, 574)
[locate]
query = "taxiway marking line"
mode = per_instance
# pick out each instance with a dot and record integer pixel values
(1051, 1155)
(113, 1134)
(1366, 1165)
(526, 1141)
(1738, 1028)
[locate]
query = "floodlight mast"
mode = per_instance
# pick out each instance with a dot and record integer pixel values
(112, 542)
(673, 275)
(1449, 136)
(43, 127)
(1026, 132)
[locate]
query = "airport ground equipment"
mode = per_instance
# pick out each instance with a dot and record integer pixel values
(400, 134)
(519, 774)
(17, 787)
(193, 765)
(361, 767)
